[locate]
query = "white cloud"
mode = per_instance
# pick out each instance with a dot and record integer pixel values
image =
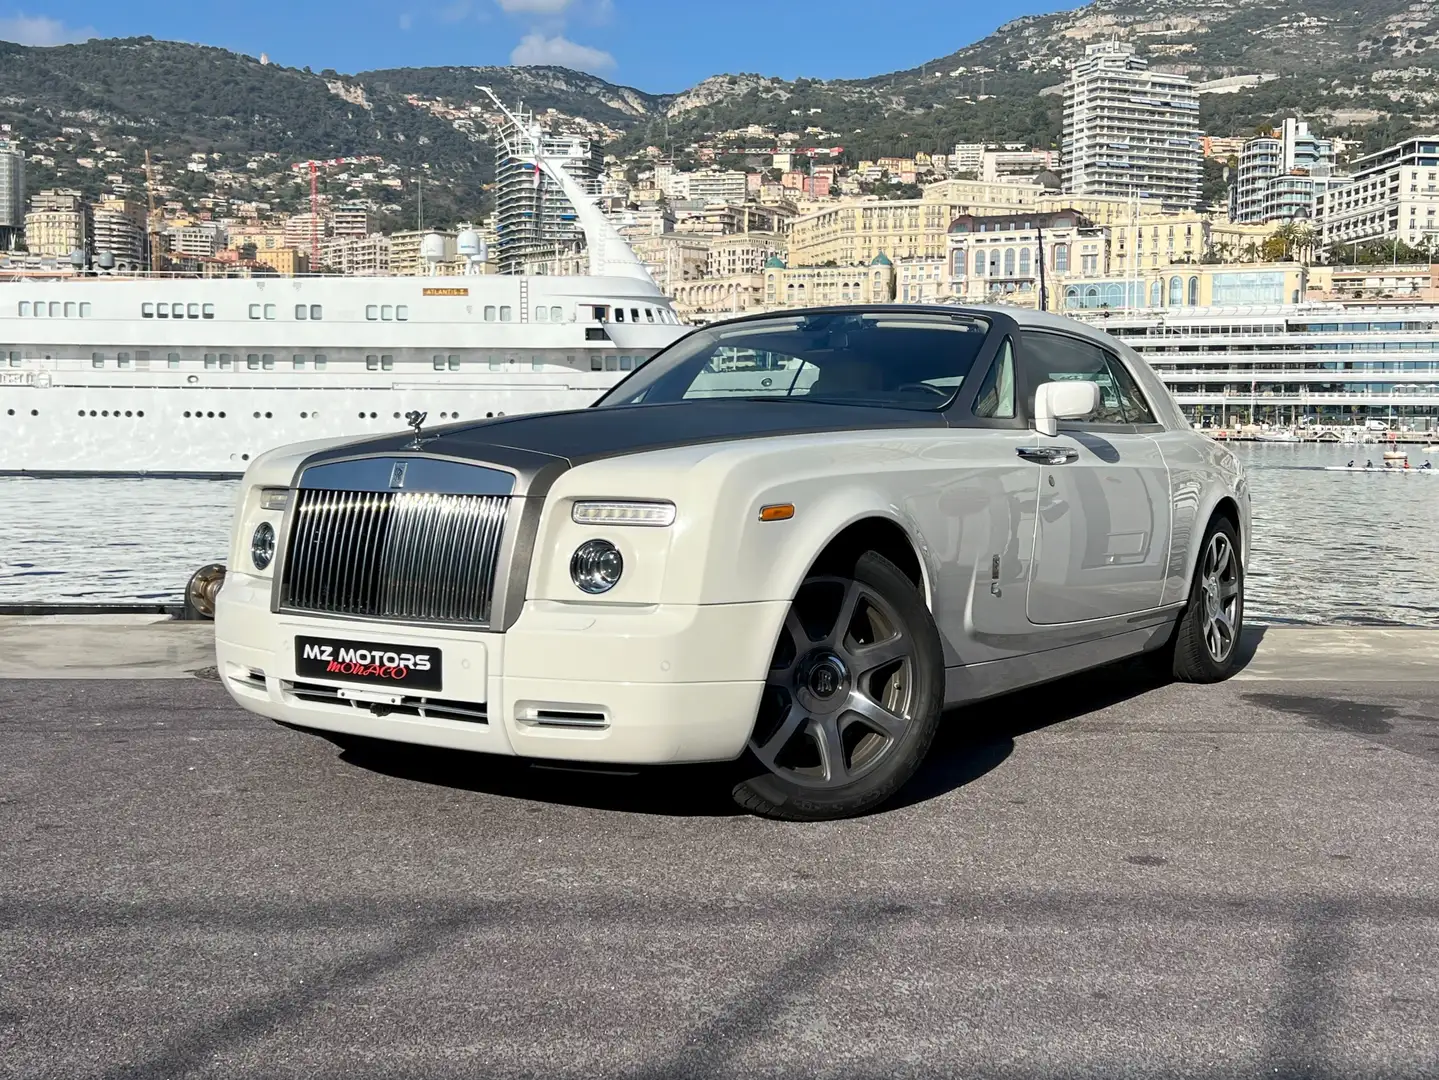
(41, 30)
(535, 48)
(535, 7)
(406, 21)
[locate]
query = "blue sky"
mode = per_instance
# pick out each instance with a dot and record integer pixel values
(651, 44)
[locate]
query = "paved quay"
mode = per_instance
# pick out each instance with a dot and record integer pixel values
(1110, 877)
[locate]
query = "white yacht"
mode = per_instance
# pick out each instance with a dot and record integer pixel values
(194, 377)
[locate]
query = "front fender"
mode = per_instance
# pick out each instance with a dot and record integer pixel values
(769, 560)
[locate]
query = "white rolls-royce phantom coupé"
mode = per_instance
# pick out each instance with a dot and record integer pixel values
(791, 541)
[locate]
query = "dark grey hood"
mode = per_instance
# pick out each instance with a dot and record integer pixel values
(551, 443)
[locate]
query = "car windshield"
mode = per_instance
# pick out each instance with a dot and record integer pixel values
(901, 359)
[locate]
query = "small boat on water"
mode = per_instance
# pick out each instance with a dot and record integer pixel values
(1393, 470)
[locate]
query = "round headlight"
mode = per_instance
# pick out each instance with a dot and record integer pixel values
(262, 545)
(596, 566)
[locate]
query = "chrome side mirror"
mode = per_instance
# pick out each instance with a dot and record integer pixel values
(1069, 399)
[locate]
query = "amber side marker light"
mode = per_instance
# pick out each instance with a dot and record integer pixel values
(778, 512)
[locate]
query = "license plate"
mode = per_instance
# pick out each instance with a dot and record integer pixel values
(401, 667)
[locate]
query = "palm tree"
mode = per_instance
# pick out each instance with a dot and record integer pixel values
(1303, 238)
(1250, 252)
(1285, 235)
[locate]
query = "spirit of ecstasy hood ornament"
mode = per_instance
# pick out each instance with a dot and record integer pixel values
(416, 420)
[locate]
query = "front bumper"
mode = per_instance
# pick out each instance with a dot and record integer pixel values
(574, 682)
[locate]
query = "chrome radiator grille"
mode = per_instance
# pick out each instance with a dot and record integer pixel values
(394, 555)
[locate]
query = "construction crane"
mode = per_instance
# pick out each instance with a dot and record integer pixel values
(314, 165)
(157, 258)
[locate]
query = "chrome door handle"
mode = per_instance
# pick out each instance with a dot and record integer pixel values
(1049, 455)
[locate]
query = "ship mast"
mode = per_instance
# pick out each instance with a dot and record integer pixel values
(610, 254)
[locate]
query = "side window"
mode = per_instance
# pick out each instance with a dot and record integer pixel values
(1055, 357)
(996, 393)
(1131, 399)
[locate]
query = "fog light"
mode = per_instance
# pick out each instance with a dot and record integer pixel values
(262, 545)
(596, 566)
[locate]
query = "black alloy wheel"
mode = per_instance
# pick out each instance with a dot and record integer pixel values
(852, 698)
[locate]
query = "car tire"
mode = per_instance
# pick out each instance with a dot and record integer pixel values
(1206, 643)
(852, 699)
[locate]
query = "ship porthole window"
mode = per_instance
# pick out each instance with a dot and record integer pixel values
(34, 412)
(9, 412)
(128, 413)
(187, 415)
(104, 412)
(269, 416)
(92, 413)
(141, 412)
(304, 416)
(12, 412)
(488, 415)
(257, 416)
(210, 415)
(397, 415)
(244, 457)
(374, 416)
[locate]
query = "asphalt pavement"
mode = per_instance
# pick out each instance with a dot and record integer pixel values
(1104, 878)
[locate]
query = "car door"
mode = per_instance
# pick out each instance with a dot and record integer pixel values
(1102, 535)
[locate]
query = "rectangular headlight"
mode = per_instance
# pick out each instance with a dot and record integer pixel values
(654, 514)
(274, 498)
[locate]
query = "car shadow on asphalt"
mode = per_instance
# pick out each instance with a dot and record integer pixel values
(972, 741)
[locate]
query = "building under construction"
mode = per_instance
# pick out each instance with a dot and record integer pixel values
(534, 222)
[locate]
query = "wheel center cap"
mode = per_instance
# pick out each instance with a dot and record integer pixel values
(824, 678)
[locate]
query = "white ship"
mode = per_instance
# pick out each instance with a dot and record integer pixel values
(191, 377)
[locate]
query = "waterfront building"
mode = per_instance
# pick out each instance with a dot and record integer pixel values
(1186, 285)
(719, 297)
(12, 195)
(1288, 363)
(1392, 195)
(1129, 130)
(1277, 175)
(58, 223)
(533, 219)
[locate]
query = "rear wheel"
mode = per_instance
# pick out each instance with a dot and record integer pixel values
(852, 698)
(1205, 647)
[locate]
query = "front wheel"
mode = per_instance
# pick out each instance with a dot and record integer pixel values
(1206, 642)
(852, 699)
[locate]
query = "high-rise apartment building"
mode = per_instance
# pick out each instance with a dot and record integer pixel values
(1278, 175)
(1129, 131)
(1391, 195)
(302, 229)
(358, 256)
(533, 219)
(119, 231)
(351, 219)
(12, 195)
(58, 223)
